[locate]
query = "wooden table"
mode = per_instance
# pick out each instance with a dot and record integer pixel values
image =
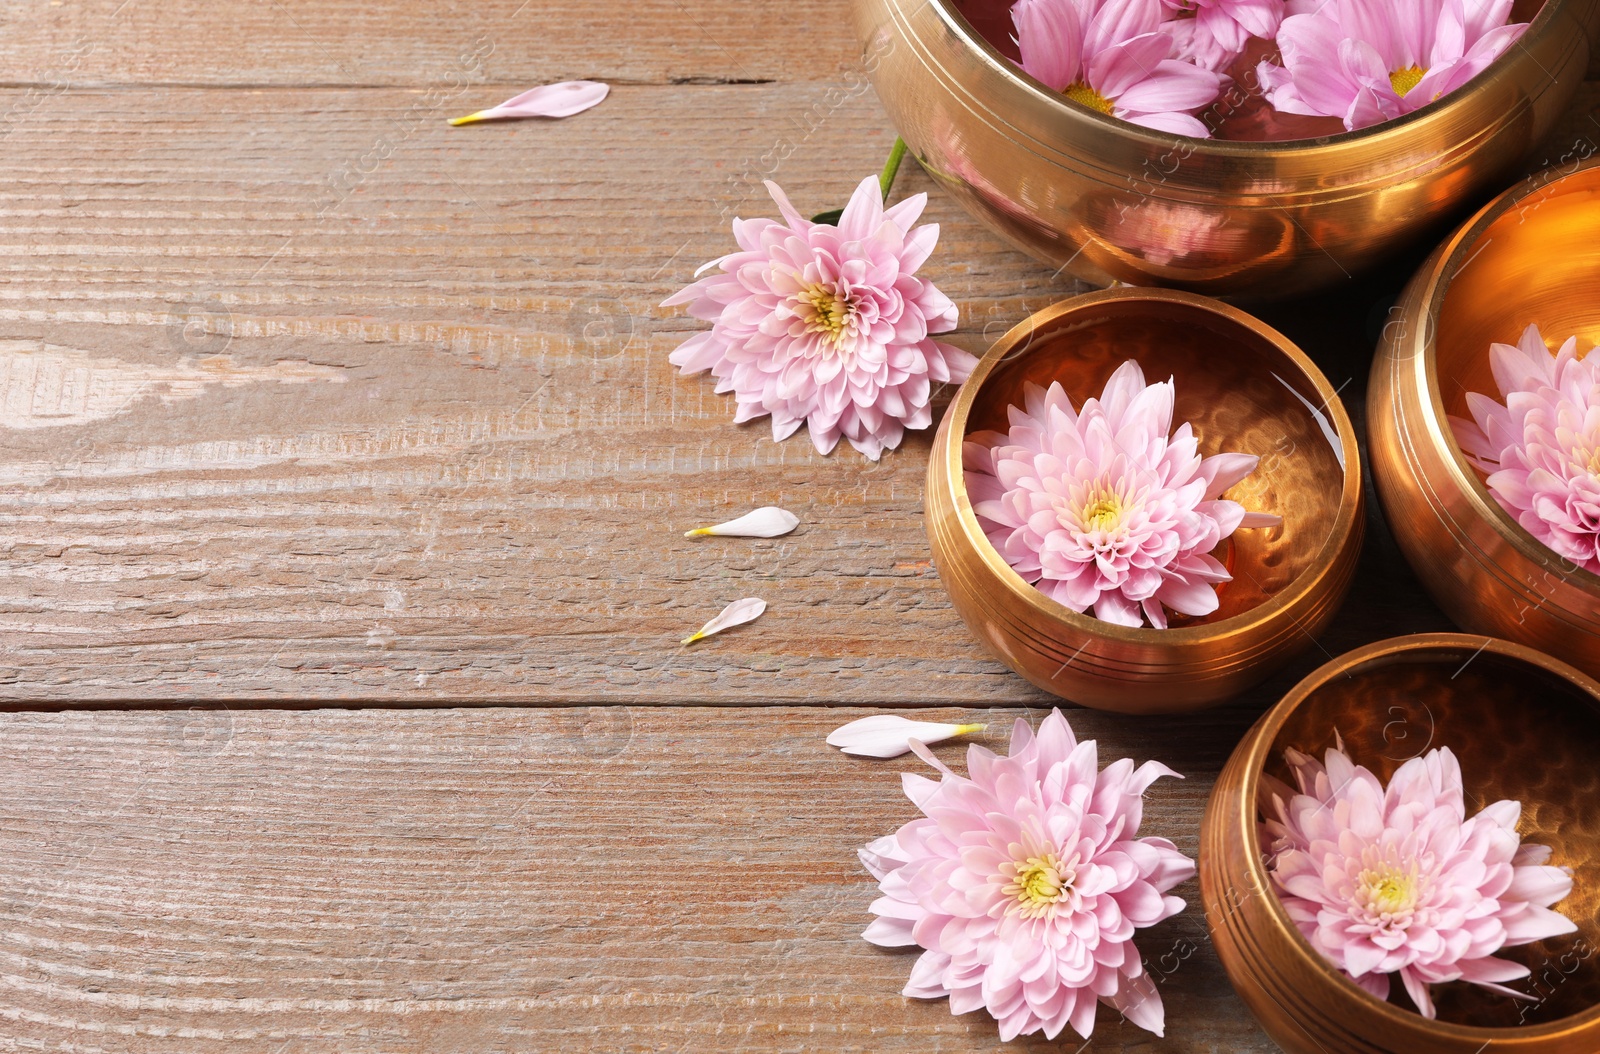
(342, 568)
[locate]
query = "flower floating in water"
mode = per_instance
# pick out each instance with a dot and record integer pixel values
(1219, 29)
(888, 736)
(826, 325)
(550, 100)
(1111, 56)
(1368, 61)
(1396, 879)
(1101, 508)
(1541, 447)
(1025, 881)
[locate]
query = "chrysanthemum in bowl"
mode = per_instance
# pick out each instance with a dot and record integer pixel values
(1539, 446)
(1108, 508)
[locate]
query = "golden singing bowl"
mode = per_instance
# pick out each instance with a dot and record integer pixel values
(1524, 727)
(1107, 200)
(1245, 388)
(1531, 256)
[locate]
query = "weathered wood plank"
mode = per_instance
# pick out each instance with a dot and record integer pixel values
(635, 879)
(359, 406)
(395, 43)
(477, 481)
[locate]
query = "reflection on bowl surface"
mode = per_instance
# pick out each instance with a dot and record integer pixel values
(1530, 256)
(1244, 388)
(1260, 220)
(1525, 727)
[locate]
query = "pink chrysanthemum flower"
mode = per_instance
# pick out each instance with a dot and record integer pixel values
(827, 326)
(1396, 879)
(1111, 56)
(1373, 60)
(1540, 448)
(1101, 508)
(1220, 29)
(1025, 881)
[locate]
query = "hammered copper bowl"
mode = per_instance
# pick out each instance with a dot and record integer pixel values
(1261, 220)
(1525, 727)
(1531, 256)
(1244, 387)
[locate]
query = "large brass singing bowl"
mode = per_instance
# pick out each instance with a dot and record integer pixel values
(1244, 387)
(1525, 727)
(1111, 200)
(1531, 256)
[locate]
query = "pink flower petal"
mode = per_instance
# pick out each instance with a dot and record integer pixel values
(551, 100)
(1011, 885)
(1050, 41)
(1396, 879)
(827, 325)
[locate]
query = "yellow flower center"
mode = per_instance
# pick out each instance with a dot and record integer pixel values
(830, 312)
(1594, 462)
(1388, 891)
(1080, 93)
(1103, 513)
(1406, 79)
(1039, 884)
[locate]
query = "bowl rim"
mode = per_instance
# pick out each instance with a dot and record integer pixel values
(1082, 116)
(1265, 735)
(1018, 339)
(1453, 254)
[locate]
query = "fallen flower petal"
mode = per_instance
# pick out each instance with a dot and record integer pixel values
(551, 100)
(735, 614)
(768, 522)
(887, 736)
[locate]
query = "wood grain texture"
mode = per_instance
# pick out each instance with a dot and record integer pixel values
(359, 406)
(396, 43)
(615, 879)
(479, 486)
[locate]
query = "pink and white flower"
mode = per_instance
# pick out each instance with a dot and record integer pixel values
(1102, 508)
(1397, 879)
(1367, 61)
(1024, 882)
(1220, 29)
(827, 326)
(1540, 447)
(1111, 56)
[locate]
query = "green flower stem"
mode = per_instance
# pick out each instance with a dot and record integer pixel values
(891, 167)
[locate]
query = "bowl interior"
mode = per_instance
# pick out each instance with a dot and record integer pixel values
(1239, 391)
(1533, 264)
(1241, 114)
(1520, 732)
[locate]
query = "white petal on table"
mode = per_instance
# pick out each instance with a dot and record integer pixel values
(768, 522)
(562, 99)
(887, 736)
(735, 614)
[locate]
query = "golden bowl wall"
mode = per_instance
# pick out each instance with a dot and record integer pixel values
(1287, 581)
(1531, 255)
(1525, 727)
(1113, 201)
